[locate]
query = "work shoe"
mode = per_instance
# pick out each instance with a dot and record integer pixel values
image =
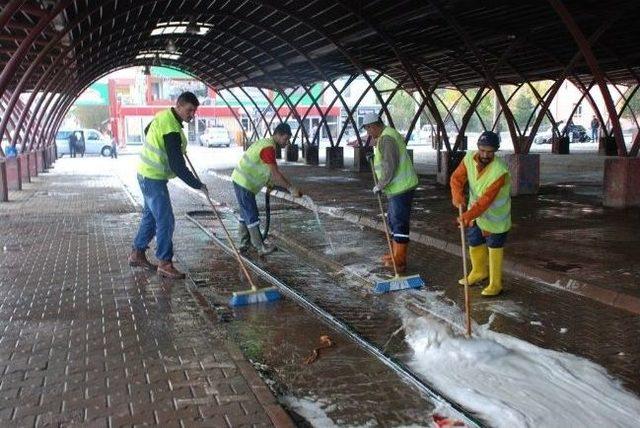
(400, 256)
(495, 272)
(138, 258)
(479, 265)
(386, 259)
(258, 243)
(245, 238)
(167, 270)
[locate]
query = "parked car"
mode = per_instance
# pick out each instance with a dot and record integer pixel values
(577, 133)
(543, 137)
(215, 136)
(94, 142)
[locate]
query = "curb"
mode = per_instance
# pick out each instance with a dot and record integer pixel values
(560, 282)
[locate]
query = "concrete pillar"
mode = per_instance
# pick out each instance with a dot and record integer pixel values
(33, 165)
(4, 189)
(448, 163)
(621, 187)
(292, 152)
(39, 160)
(607, 146)
(47, 157)
(335, 157)
(311, 155)
(13, 174)
(360, 162)
(24, 167)
(525, 173)
(50, 158)
(560, 145)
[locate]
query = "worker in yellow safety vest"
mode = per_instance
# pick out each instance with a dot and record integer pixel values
(258, 168)
(162, 158)
(397, 179)
(488, 213)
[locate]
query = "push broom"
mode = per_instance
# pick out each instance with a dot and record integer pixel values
(467, 297)
(397, 282)
(254, 294)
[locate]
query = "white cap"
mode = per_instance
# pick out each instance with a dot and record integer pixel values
(370, 118)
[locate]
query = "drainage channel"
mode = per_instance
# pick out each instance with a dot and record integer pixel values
(342, 319)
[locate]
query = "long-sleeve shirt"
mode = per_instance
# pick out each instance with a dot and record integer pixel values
(173, 147)
(458, 181)
(390, 160)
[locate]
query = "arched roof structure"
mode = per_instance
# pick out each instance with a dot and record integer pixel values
(56, 48)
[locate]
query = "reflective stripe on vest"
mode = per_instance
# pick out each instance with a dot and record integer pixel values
(405, 177)
(497, 217)
(154, 162)
(252, 173)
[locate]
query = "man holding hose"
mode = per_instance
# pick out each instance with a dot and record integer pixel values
(161, 159)
(488, 214)
(258, 168)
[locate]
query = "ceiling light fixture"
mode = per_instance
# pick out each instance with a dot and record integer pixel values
(193, 28)
(171, 46)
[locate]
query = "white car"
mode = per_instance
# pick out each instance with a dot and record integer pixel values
(215, 136)
(95, 143)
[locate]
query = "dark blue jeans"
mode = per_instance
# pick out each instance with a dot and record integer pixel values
(399, 215)
(157, 219)
(248, 206)
(475, 238)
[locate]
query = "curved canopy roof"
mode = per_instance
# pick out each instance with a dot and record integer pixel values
(280, 44)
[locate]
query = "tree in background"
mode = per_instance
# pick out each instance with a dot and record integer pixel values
(402, 107)
(91, 116)
(633, 108)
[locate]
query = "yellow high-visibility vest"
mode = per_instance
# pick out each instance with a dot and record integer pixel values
(497, 218)
(154, 162)
(252, 173)
(405, 177)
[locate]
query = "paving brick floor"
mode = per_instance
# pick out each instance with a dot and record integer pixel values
(84, 339)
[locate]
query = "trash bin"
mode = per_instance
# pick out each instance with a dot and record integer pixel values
(560, 145)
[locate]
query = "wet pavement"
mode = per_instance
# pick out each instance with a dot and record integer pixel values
(562, 236)
(88, 223)
(545, 316)
(88, 341)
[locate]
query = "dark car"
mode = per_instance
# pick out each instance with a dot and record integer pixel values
(577, 134)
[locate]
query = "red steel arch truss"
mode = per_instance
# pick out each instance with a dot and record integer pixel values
(52, 50)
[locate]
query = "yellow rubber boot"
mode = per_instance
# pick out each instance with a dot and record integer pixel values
(495, 272)
(479, 265)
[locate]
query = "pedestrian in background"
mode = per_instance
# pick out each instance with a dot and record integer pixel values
(595, 128)
(73, 143)
(114, 145)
